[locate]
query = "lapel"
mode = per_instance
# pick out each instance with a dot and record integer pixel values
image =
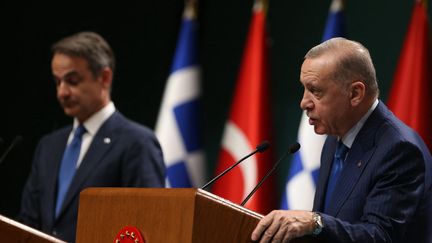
(329, 149)
(57, 145)
(359, 155)
(97, 150)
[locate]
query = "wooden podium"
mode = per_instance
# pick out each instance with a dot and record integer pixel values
(13, 231)
(183, 215)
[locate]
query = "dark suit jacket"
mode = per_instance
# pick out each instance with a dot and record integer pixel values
(384, 191)
(122, 154)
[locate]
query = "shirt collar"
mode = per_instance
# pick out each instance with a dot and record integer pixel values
(348, 139)
(94, 122)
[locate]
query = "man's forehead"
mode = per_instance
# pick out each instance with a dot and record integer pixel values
(323, 65)
(65, 65)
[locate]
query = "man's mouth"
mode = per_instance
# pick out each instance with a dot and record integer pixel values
(312, 121)
(67, 104)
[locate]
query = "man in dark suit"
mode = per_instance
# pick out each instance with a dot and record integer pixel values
(375, 177)
(101, 149)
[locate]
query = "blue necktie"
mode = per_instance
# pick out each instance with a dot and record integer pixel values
(68, 166)
(336, 169)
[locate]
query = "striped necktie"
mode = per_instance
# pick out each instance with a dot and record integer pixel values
(336, 169)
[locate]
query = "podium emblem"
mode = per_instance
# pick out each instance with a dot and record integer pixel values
(129, 234)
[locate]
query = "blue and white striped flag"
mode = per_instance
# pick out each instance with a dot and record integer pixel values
(179, 126)
(303, 175)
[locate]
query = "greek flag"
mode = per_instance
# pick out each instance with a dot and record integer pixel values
(179, 126)
(303, 175)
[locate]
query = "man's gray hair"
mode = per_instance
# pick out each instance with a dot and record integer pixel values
(353, 62)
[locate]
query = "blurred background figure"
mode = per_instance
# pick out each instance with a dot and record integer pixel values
(101, 149)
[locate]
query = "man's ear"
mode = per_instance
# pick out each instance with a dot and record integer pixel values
(357, 93)
(107, 76)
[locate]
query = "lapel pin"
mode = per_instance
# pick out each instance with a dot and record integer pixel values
(107, 140)
(359, 163)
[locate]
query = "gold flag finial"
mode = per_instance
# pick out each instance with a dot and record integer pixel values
(261, 5)
(190, 10)
(424, 2)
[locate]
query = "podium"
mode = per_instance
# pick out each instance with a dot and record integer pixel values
(183, 215)
(13, 231)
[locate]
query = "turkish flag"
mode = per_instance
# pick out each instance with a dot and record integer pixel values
(249, 125)
(410, 97)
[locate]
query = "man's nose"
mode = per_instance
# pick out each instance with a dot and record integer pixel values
(306, 102)
(62, 89)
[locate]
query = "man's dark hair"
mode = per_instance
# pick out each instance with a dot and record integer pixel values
(90, 46)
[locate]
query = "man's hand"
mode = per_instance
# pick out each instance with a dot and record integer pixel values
(283, 226)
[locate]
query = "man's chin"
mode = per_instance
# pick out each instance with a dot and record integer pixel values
(69, 112)
(319, 130)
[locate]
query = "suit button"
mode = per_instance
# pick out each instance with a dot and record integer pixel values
(54, 232)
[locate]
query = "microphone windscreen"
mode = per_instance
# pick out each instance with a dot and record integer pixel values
(263, 146)
(294, 148)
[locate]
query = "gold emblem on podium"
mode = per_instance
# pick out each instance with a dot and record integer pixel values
(129, 234)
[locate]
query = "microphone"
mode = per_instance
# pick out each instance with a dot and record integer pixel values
(292, 149)
(17, 140)
(259, 148)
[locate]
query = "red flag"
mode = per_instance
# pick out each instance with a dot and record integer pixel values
(410, 97)
(248, 125)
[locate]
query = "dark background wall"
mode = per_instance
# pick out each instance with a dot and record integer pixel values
(143, 35)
